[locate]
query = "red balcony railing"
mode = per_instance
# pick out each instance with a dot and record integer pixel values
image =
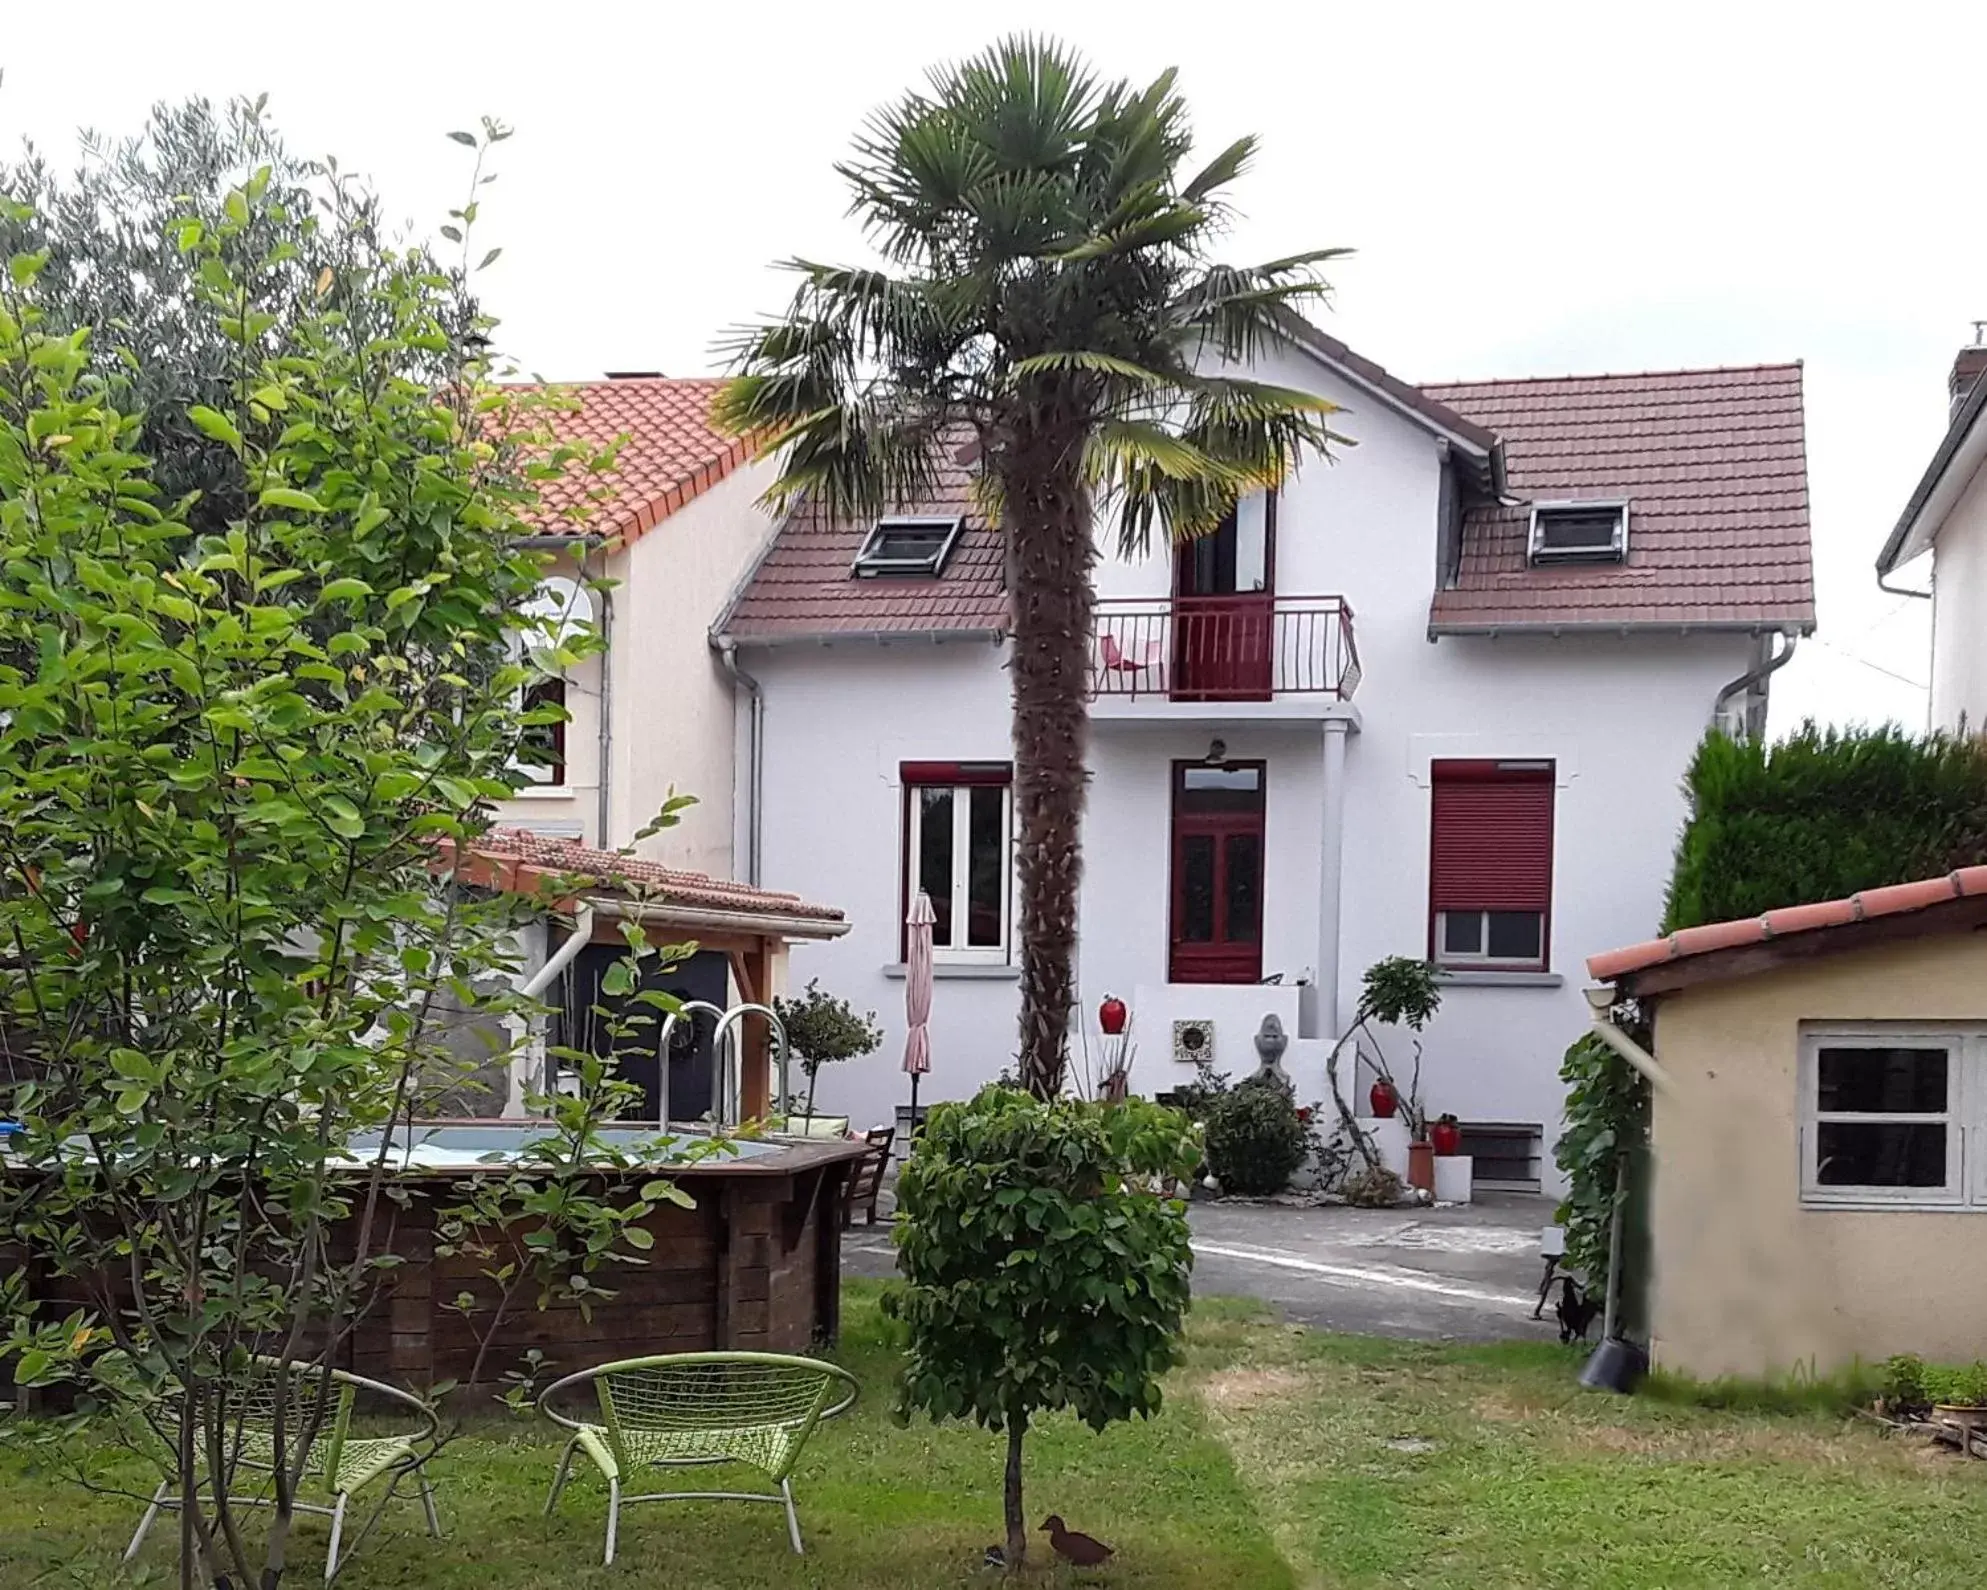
(1248, 647)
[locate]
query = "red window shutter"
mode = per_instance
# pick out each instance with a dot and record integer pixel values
(1492, 846)
(956, 773)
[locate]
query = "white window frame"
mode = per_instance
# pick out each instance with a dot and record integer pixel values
(962, 819)
(870, 562)
(1965, 1048)
(1481, 956)
(1539, 552)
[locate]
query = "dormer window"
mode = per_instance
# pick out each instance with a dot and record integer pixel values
(1579, 532)
(907, 547)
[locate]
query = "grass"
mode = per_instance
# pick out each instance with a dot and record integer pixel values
(879, 1507)
(1396, 1464)
(1363, 1463)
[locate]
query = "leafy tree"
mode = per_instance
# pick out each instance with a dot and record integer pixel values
(1042, 1268)
(1047, 310)
(822, 1030)
(241, 734)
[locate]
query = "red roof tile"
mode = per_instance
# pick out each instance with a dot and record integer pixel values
(803, 587)
(670, 456)
(517, 861)
(1895, 899)
(1714, 466)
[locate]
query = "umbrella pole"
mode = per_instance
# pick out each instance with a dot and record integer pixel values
(913, 1132)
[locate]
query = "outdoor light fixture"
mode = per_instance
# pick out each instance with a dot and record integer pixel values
(1217, 752)
(1600, 996)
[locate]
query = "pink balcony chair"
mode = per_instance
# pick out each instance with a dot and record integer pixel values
(1117, 661)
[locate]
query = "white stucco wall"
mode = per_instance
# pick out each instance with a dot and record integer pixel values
(1959, 612)
(1619, 716)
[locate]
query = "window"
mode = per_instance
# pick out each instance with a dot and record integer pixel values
(916, 547)
(1579, 532)
(1490, 865)
(958, 840)
(1883, 1115)
(542, 746)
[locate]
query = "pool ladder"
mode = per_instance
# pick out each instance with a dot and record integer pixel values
(728, 1050)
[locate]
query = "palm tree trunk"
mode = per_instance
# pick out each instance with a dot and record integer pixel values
(1049, 559)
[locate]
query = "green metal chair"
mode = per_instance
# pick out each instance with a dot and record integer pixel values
(687, 1409)
(339, 1462)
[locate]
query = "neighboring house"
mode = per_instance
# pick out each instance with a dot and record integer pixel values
(1434, 698)
(675, 525)
(1947, 517)
(1817, 1139)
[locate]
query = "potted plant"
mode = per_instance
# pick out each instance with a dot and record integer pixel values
(1397, 991)
(821, 1030)
(1446, 1135)
(1958, 1396)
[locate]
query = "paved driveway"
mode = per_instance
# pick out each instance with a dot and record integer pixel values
(1464, 1274)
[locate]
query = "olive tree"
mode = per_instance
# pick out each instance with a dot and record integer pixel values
(1043, 1267)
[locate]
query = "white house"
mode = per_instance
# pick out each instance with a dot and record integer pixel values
(1947, 517)
(675, 526)
(1433, 699)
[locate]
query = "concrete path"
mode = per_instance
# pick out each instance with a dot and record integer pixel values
(1462, 1274)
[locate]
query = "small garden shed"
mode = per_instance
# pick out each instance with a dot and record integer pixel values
(1820, 1143)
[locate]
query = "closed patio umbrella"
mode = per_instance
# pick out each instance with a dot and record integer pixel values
(917, 994)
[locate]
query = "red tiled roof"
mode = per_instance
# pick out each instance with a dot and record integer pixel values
(517, 861)
(1714, 466)
(803, 587)
(1895, 899)
(671, 454)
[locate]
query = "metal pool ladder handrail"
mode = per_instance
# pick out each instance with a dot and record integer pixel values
(728, 1107)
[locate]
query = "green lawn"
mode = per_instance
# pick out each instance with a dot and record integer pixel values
(1285, 1459)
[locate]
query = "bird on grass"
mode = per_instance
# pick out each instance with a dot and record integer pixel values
(1073, 1546)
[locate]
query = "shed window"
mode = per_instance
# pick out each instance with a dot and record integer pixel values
(1883, 1115)
(1579, 532)
(907, 547)
(1490, 865)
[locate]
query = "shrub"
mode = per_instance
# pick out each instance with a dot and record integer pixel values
(1376, 1187)
(1960, 1386)
(1042, 1268)
(1255, 1141)
(1822, 814)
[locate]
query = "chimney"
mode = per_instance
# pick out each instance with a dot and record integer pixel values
(1968, 367)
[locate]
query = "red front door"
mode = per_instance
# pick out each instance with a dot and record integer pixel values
(1224, 608)
(1217, 917)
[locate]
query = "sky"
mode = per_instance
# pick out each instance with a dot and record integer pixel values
(1530, 189)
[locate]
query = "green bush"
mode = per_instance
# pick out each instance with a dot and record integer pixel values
(1042, 1266)
(1255, 1141)
(1822, 814)
(1958, 1386)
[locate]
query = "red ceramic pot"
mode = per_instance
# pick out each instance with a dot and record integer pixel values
(1111, 1015)
(1446, 1137)
(1384, 1100)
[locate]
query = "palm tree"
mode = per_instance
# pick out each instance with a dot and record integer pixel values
(1045, 301)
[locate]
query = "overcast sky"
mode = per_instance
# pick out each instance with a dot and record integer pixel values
(1532, 189)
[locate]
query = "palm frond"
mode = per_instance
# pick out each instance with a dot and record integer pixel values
(1223, 169)
(1063, 363)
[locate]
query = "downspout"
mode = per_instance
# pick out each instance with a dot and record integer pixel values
(606, 773)
(1614, 1365)
(1900, 590)
(755, 754)
(542, 979)
(1755, 676)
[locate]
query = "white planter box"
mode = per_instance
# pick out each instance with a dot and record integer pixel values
(1454, 1176)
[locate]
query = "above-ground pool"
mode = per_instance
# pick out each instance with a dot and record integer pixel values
(495, 1145)
(754, 1262)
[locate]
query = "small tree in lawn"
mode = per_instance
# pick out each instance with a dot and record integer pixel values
(821, 1030)
(1043, 1270)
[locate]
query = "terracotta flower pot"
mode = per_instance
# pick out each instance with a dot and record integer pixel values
(1421, 1166)
(1383, 1100)
(1446, 1137)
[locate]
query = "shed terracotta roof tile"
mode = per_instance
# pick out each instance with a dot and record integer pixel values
(1714, 466)
(671, 455)
(1891, 900)
(516, 860)
(803, 588)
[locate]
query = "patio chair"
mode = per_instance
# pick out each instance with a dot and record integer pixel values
(866, 1180)
(341, 1463)
(1143, 658)
(687, 1409)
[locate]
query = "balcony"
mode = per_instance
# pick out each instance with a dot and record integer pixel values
(1250, 655)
